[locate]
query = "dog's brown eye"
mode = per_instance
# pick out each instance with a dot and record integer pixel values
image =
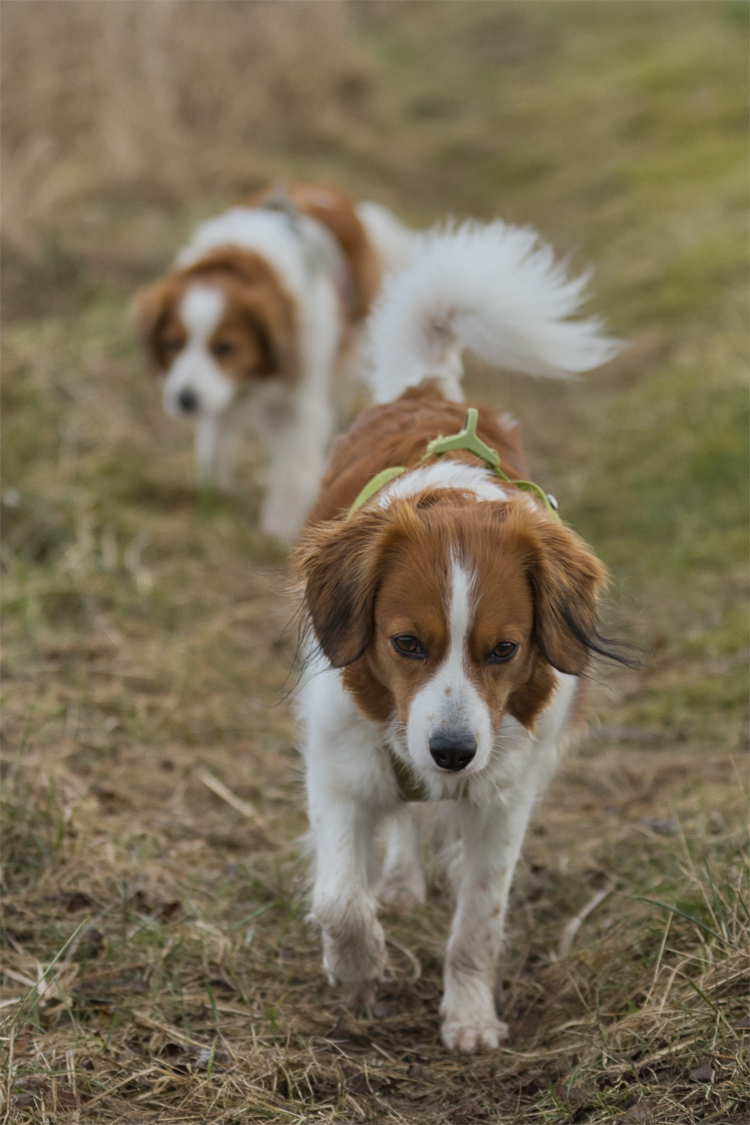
(503, 652)
(408, 646)
(223, 348)
(171, 344)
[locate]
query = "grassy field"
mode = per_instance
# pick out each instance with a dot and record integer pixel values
(158, 966)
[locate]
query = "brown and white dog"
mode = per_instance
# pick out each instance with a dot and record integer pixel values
(248, 327)
(452, 615)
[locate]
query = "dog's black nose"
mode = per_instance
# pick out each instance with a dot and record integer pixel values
(453, 750)
(188, 401)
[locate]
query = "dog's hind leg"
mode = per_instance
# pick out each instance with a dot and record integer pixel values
(402, 882)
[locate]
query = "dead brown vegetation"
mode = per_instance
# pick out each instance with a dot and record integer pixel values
(173, 98)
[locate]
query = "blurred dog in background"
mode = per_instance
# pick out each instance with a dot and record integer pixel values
(247, 330)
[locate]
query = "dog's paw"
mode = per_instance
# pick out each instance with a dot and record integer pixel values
(401, 895)
(357, 993)
(470, 1036)
(363, 994)
(357, 972)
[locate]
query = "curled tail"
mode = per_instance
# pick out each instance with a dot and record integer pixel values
(396, 244)
(493, 288)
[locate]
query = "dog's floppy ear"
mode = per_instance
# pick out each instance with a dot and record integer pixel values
(566, 579)
(270, 316)
(267, 308)
(149, 311)
(339, 564)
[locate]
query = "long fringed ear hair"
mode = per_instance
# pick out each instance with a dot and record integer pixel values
(566, 579)
(149, 311)
(339, 565)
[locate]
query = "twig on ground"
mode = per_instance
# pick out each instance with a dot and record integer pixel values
(411, 957)
(243, 807)
(574, 925)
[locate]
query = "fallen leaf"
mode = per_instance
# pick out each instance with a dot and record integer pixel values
(167, 912)
(704, 1073)
(574, 1095)
(383, 1008)
(78, 901)
(90, 945)
(640, 1114)
(662, 825)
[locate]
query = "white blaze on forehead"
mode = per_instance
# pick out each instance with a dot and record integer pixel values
(459, 696)
(201, 311)
(460, 612)
(194, 368)
(449, 701)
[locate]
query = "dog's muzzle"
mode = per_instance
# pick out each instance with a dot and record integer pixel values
(188, 401)
(453, 750)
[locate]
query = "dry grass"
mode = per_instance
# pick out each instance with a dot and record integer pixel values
(157, 962)
(166, 98)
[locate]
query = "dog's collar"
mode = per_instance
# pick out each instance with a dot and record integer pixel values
(410, 788)
(467, 439)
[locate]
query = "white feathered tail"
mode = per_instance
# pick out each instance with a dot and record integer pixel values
(493, 288)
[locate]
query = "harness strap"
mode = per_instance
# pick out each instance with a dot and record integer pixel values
(468, 439)
(374, 485)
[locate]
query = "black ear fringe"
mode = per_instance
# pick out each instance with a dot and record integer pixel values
(618, 652)
(307, 652)
(310, 647)
(344, 613)
(308, 644)
(304, 652)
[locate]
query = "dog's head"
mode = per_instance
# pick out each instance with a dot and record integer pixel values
(448, 614)
(215, 327)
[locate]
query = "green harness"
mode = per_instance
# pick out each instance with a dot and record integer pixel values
(466, 439)
(409, 788)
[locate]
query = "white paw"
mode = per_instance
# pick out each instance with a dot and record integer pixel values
(470, 1036)
(357, 973)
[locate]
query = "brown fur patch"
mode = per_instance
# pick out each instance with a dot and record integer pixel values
(335, 211)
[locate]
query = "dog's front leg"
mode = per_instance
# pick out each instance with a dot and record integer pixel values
(297, 455)
(205, 444)
(353, 942)
(491, 842)
(225, 456)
